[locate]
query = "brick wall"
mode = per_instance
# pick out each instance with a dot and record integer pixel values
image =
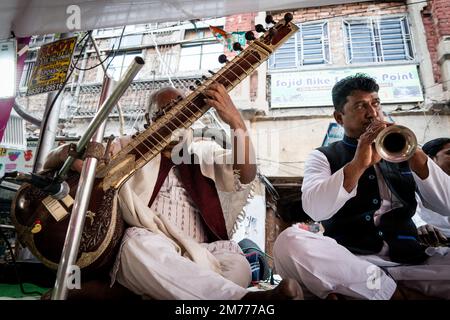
(335, 13)
(436, 20)
(358, 9)
(240, 22)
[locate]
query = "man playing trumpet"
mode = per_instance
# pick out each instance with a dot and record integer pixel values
(366, 204)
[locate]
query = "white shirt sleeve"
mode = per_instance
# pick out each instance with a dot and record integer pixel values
(323, 193)
(435, 189)
(417, 218)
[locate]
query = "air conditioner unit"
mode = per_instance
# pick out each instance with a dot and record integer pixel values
(14, 136)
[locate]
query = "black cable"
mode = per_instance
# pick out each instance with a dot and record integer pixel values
(93, 67)
(16, 269)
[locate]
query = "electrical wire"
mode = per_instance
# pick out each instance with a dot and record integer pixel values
(93, 67)
(16, 269)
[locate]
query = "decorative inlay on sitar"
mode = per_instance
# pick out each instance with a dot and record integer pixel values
(41, 221)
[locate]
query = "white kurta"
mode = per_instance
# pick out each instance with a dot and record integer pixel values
(324, 266)
(437, 212)
(435, 189)
(161, 260)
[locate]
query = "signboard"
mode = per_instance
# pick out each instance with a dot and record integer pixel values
(17, 160)
(52, 64)
(334, 133)
(313, 88)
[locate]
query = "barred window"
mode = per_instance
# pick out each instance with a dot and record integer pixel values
(30, 61)
(120, 63)
(378, 40)
(310, 45)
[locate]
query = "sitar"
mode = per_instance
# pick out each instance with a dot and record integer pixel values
(41, 221)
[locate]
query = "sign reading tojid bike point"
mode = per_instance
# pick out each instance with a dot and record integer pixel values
(52, 64)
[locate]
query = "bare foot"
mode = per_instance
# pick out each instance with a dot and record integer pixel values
(288, 289)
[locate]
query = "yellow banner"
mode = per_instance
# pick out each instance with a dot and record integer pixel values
(52, 64)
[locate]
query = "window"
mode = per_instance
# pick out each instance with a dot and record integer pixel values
(132, 40)
(120, 63)
(109, 32)
(37, 41)
(28, 68)
(378, 40)
(309, 46)
(200, 57)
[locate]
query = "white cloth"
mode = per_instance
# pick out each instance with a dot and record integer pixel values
(176, 205)
(152, 267)
(134, 261)
(436, 220)
(324, 267)
(435, 189)
(323, 194)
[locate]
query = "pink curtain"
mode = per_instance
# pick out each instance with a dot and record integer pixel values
(7, 104)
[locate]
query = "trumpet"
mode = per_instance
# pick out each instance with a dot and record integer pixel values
(396, 143)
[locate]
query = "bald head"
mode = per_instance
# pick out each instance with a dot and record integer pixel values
(161, 99)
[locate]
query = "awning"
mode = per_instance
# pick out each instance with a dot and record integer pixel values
(33, 17)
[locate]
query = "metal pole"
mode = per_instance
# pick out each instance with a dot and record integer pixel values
(86, 182)
(104, 110)
(48, 134)
(119, 107)
(27, 117)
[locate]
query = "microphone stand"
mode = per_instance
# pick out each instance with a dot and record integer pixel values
(108, 100)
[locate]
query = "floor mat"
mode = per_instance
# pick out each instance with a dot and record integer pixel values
(13, 291)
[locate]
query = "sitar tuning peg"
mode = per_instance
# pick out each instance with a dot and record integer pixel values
(212, 72)
(237, 46)
(192, 88)
(223, 58)
(269, 19)
(259, 28)
(250, 36)
(198, 82)
(204, 77)
(288, 17)
(272, 32)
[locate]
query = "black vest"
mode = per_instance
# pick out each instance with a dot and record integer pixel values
(353, 225)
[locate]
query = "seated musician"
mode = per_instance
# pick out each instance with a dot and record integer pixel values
(370, 248)
(437, 212)
(181, 216)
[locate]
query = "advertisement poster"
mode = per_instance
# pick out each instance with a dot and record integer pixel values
(334, 133)
(398, 84)
(17, 160)
(52, 63)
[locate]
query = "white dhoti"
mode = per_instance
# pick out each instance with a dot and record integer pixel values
(323, 267)
(151, 266)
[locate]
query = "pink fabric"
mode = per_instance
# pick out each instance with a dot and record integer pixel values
(7, 104)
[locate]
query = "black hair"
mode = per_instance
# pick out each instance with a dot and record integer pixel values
(432, 147)
(344, 88)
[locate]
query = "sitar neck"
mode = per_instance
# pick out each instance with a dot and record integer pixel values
(148, 144)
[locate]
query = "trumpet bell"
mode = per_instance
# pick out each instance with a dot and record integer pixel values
(396, 143)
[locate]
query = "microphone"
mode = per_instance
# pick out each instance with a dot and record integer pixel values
(57, 189)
